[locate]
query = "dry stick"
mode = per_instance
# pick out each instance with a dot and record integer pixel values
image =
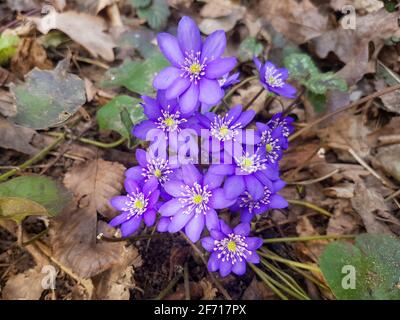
(350, 106)
(169, 287)
(254, 99)
(213, 278)
(33, 160)
(186, 281)
(310, 206)
(312, 181)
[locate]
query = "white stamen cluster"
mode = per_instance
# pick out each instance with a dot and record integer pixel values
(271, 146)
(192, 67)
(273, 77)
(169, 122)
(136, 204)
(247, 201)
(283, 124)
(250, 163)
(222, 130)
(159, 168)
(195, 198)
(233, 248)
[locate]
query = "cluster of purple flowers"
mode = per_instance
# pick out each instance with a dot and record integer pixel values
(186, 196)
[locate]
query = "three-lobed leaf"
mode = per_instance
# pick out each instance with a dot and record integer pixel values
(249, 48)
(156, 14)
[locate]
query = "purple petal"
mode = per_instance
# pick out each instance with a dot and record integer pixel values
(217, 235)
(166, 77)
(214, 46)
(255, 188)
(140, 130)
(210, 91)
(213, 180)
(218, 67)
(263, 178)
(212, 219)
(118, 202)
(169, 46)
(121, 218)
(222, 169)
(149, 217)
(278, 185)
(179, 221)
(134, 173)
(174, 187)
(195, 227)
(224, 227)
(163, 224)
(189, 35)
(151, 107)
(213, 262)
(239, 268)
(141, 157)
(225, 268)
(190, 174)
(177, 88)
(234, 186)
(208, 243)
(287, 91)
(246, 216)
(253, 243)
(190, 99)
(234, 113)
(130, 226)
(170, 208)
(242, 229)
(258, 63)
(150, 186)
(153, 198)
(219, 201)
(131, 186)
(278, 202)
(253, 257)
(245, 118)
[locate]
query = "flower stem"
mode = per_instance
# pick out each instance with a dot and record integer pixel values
(310, 206)
(311, 238)
(93, 142)
(254, 99)
(289, 262)
(39, 156)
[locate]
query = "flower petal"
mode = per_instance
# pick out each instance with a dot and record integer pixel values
(225, 228)
(278, 202)
(225, 268)
(174, 187)
(130, 226)
(210, 91)
(234, 113)
(177, 88)
(151, 107)
(217, 235)
(140, 130)
(286, 90)
(149, 217)
(213, 180)
(253, 243)
(189, 35)
(212, 222)
(153, 198)
(170, 207)
(255, 188)
(253, 257)
(141, 157)
(119, 219)
(195, 227)
(246, 216)
(208, 243)
(169, 46)
(257, 62)
(218, 67)
(118, 202)
(163, 224)
(189, 101)
(134, 173)
(245, 118)
(234, 186)
(131, 186)
(179, 221)
(213, 262)
(222, 169)
(219, 201)
(242, 229)
(166, 77)
(191, 174)
(239, 268)
(150, 186)
(214, 46)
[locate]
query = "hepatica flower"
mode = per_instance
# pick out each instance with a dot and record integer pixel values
(138, 204)
(272, 142)
(274, 79)
(284, 123)
(195, 67)
(231, 249)
(195, 198)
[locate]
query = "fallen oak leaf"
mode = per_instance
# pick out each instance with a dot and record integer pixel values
(85, 29)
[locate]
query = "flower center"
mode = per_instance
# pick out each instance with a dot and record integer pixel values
(250, 163)
(192, 67)
(157, 167)
(272, 146)
(195, 198)
(222, 129)
(135, 205)
(247, 201)
(233, 248)
(268, 147)
(169, 122)
(273, 77)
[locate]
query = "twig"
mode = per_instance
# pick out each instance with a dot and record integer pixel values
(348, 107)
(310, 206)
(186, 281)
(254, 99)
(93, 142)
(170, 286)
(310, 238)
(312, 181)
(33, 160)
(213, 278)
(102, 237)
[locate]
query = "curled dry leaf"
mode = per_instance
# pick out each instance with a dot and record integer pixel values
(74, 232)
(344, 220)
(387, 159)
(85, 29)
(298, 21)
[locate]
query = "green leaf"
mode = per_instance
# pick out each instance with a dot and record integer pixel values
(156, 15)
(139, 39)
(317, 100)
(320, 83)
(120, 114)
(374, 260)
(8, 47)
(249, 48)
(18, 209)
(48, 193)
(300, 66)
(48, 98)
(139, 3)
(136, 76)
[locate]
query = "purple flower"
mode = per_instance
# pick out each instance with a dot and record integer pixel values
(274, 79)
(249, 172)
(162, 114)
(280, 121)
(149, 167)
(231, 249)
(195, 198)
(195, 66)
(248, 206)
(272, 142)
(138, 204)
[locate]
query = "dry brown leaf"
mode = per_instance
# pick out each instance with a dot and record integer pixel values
(245, 95)
(74, 231)
(352, 46)
(94, 6)
(370, 205)
(343, 221)
(342, 190)
(23, 5)
(298, 21)
(387, 159)
(311, 249)
(16, 137)
(209, 292)
(216, 9)
(367, 5)
(7, 106)
(85, 29)
(257, 290)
